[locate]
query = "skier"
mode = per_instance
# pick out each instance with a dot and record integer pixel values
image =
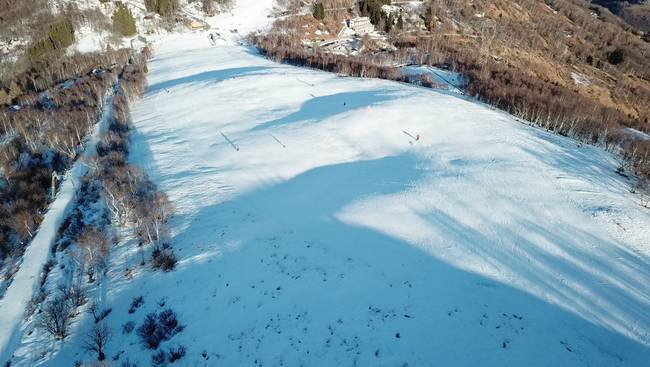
(417, 137)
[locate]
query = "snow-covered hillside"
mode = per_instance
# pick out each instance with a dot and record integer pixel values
(331, 236)
(314, 228)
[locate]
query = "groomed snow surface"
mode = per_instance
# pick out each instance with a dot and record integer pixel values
(313, 230)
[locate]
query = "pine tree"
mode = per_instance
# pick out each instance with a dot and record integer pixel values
(319, 11)
(390, 21)
(372, 9)
(162, 7)
(167, 7)
(123, 21)
(364, 9)
(151, 5)
(61, 34)
(430, 18)
(4, 100)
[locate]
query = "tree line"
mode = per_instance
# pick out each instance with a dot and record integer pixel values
(525, 92)
(57, 107)
(114, 194)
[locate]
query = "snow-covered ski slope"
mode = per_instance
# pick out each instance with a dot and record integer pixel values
(313, 231)
(321, 234)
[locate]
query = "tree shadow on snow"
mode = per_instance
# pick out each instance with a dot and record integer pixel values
(207, 76)
(322, 107)
(288, 269)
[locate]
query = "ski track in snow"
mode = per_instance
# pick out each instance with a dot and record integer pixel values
(487, 242)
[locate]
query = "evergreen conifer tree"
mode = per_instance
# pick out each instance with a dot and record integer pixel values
(319, 11)
(123, 21)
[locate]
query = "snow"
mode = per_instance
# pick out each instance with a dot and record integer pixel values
(453, 81)
(636, 134)
(26, 279)
(391, 9)
(246, 16)
(312, 230)
(88, 40)
(580, 79)
(350, 227)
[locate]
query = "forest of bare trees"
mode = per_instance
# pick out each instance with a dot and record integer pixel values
(40, 136)
(115, 195)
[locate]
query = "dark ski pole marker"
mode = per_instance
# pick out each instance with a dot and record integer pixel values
(229, 141)
(278, 140)
(405, 132)
(305, 82)
(415, 138)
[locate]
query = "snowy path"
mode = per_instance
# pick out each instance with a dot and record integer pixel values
(328, 237)
(26, 280)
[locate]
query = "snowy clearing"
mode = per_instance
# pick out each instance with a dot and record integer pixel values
(452, 81)
(313, 229)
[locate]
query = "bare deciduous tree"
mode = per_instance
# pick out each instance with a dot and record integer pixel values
(153, 212)
(208, 7)
(95, 244)
(55, 317)
(23, 223)
(99, 313)
(75, 293)
(97, 339)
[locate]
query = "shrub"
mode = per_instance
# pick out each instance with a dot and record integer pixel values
(47, 267)
(172, 355)
(123, 21)
(176, 353)
(34, 302)
(148, 331)
(158, 359)
(128, 327)
(157, 328)
(164, 259)
(136, 303)
(616, 57)
(169, 324)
